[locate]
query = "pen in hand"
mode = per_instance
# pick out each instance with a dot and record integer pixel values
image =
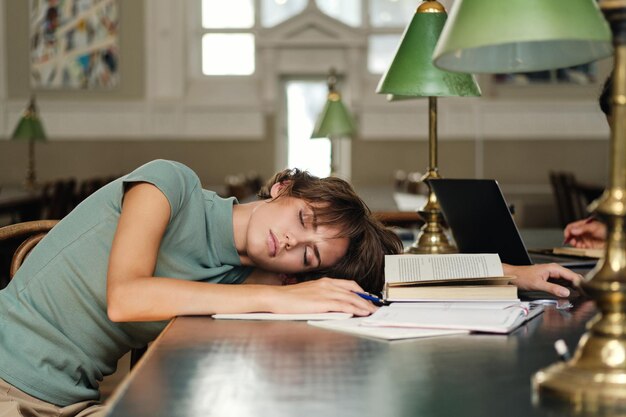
(377, 301)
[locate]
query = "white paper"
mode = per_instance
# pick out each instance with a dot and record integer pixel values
(354, 326)
(454, 316)
(409, 268)
(277, 316)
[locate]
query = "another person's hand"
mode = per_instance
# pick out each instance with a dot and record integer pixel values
(320, 296)
(535, 277)
(585, 234)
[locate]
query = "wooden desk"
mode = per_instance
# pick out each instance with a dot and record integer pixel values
(205, 367)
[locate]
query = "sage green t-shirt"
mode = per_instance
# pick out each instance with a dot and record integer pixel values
(56, 341)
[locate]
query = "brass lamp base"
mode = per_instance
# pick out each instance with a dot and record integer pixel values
(594, 380)
(584, 385)
(431, 238)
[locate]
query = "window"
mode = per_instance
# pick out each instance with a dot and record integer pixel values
(387, 20)
(380, 51)
(227, 27)
(391, 13)
(274, 12)
(346, 11)
(305, 100)
(218, 57)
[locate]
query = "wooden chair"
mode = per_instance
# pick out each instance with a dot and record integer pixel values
(58, 198)
(32, 232)
(89, 186)
(571, 196)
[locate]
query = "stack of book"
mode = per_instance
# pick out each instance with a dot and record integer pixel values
(457, 277)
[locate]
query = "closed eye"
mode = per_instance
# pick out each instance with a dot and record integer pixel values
(301, 216)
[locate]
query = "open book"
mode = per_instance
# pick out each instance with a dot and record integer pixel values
(455, 277)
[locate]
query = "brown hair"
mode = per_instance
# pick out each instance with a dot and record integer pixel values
(337, 204)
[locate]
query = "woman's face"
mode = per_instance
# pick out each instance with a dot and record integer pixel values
(283, 236)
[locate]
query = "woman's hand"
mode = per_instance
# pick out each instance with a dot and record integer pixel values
(535, 277)
(585, 234)
(320, 296)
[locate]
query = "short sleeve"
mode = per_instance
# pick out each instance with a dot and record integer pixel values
(175, 180)
(237, 275)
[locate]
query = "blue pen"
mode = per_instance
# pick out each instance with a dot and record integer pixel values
(372, 298)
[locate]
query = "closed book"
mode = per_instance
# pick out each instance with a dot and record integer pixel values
(451, 293)
(579, 252)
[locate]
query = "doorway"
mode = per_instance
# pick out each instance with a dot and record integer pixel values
(304, 102)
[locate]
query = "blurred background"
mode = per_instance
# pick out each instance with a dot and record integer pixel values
(233, 90)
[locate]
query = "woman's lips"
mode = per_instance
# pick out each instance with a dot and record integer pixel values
(272, 243)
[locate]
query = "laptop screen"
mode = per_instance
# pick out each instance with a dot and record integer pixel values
(479, 218)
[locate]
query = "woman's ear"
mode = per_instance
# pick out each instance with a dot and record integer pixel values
(277, 188)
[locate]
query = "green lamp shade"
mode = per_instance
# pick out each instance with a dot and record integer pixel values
(412, 72)
(334, 120)
(29, 127)
(487, 36)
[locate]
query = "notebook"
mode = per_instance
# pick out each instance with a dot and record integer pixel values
(481, 222)
(473, 316)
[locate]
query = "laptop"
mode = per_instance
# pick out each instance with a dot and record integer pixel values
(481, 222)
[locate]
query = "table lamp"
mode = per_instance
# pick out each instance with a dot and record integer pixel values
(412, 74)
(30, 129)
(594, 380)
(334, 122)
(564, 33)
(486, 36)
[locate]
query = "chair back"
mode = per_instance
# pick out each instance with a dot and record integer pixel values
(571, 196)
(58, 198)
(32, 232)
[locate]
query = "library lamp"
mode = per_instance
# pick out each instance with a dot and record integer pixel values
(334, 122)
(594, 380)
(486, 36)
(30, 129)
(412, 74)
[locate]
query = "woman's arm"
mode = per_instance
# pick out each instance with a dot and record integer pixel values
(134, 294)
(535, 277)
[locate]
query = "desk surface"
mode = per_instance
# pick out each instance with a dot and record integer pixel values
(205, 367)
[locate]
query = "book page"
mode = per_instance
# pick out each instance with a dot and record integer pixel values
(411, 268)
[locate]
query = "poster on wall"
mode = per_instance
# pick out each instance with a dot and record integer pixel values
(74, 44)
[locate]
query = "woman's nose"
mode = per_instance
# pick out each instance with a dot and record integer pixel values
(291, 241)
